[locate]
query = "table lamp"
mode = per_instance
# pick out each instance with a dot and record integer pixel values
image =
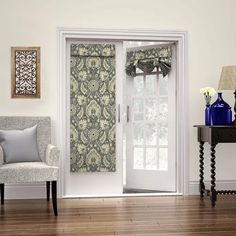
(228, 82)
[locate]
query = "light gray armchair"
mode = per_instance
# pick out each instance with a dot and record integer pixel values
(45, 170)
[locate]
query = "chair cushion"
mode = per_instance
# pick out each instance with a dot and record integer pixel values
(20, 145)
(26, 172)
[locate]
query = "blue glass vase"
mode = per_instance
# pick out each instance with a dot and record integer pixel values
(219, 111)
(229, 117)
(208, 115)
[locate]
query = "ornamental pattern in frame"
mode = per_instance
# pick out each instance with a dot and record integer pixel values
(92, 103)
(25, 72)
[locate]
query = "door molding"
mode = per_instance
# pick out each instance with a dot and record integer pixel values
(180, 37)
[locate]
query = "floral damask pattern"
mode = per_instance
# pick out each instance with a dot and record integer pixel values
(92, 98)
(147, 60)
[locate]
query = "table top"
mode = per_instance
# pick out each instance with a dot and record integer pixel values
(215, 126)
(216, 133)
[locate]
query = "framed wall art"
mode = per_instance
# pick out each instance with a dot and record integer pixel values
(25, 72)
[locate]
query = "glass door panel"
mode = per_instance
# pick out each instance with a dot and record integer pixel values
(150, 144)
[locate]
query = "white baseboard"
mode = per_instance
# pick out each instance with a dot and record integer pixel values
(25, 191)
(38, 190)
(220, 185)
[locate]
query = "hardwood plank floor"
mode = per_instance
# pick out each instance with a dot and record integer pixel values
(120, 216)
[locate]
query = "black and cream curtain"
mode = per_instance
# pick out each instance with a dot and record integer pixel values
(92, 101)
(149, 59)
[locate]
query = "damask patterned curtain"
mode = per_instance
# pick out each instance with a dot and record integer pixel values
(92, 100)
(149, 59)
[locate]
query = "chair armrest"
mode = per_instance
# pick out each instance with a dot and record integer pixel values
(1, 156)
(52, 155)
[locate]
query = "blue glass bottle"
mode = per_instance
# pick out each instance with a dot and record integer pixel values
(219, 111)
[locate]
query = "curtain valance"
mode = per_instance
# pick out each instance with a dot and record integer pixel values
(147, 60)
(93, 50)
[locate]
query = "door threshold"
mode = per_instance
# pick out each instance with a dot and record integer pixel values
(138, 190)
(151, 194)
(124, 195)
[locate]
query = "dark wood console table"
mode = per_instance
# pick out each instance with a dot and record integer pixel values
(213, 135)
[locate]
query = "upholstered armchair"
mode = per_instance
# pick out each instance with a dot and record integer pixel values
(44, 169)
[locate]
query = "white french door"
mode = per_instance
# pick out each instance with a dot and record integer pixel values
(95, 183)
(149, 128)
(151, 131)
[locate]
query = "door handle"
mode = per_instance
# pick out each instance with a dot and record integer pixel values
(127, 113)
(118, 113)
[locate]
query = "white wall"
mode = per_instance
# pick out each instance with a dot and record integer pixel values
(212, 37)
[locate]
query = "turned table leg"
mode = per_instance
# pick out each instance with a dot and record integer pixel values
(201, 169)
(213, 179)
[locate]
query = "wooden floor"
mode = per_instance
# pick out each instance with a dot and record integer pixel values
(120, 216)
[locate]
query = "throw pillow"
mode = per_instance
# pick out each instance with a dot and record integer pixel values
(20, 145)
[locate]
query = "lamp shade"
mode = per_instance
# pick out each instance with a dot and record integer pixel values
(227, 78)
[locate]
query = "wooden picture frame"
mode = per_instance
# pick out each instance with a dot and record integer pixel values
(25, 72)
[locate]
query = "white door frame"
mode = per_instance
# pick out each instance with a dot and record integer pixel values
(180, 37)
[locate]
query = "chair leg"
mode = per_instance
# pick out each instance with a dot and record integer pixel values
(54, 197)
(48, 190)
(2, 193)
